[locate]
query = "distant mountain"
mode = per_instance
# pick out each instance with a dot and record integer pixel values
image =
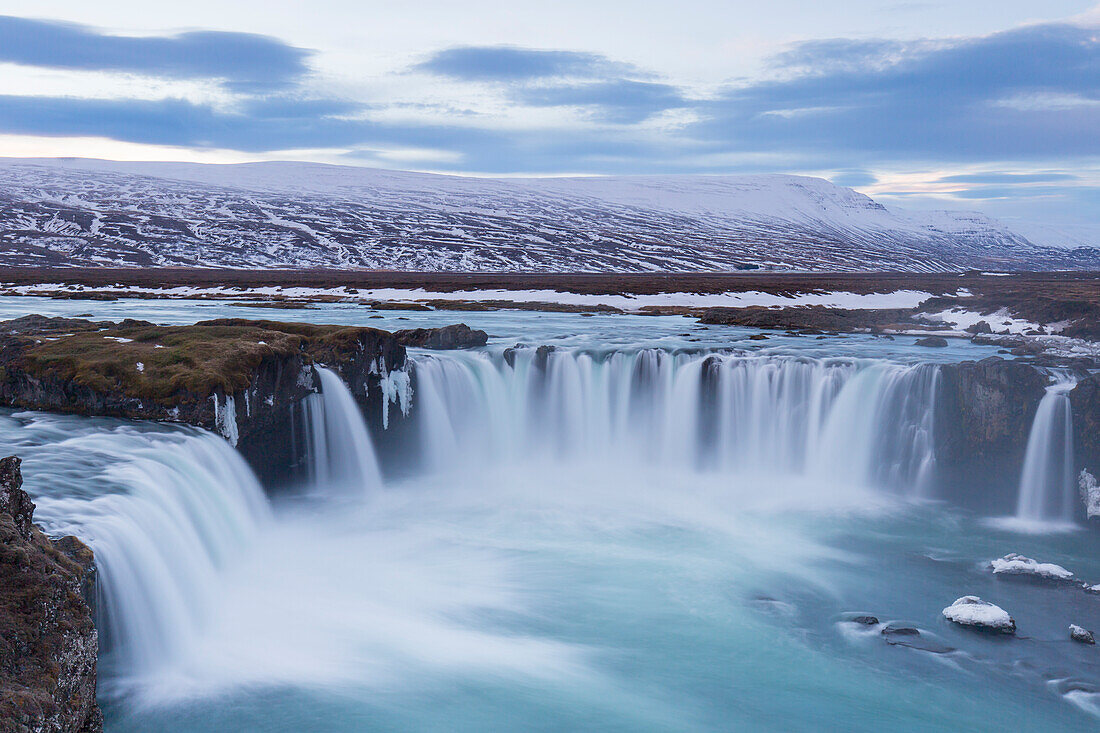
(70, 212)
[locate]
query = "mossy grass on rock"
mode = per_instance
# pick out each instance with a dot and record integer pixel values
(173, 364)
(239, 377)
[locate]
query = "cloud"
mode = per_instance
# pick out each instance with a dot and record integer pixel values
(609, 91)
(854, 178)
(620, 100)
(1004, 178)
(243, 61)
(510, 64)
(926, 100)
(286, 124)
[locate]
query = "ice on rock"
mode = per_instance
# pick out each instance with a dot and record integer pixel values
(976, 613)
(1090, 493)
(1013, 564)
(1081, 634)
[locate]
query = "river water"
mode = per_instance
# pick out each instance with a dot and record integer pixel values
(665, 527)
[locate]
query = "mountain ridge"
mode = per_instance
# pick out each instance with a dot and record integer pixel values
(60, 212)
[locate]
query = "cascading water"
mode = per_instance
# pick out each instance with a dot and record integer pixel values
(1047, 479)
(842, 422)
(583, 532)
(185, 505)
(339, 450)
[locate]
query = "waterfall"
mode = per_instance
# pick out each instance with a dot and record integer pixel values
(840, 421)
(1047, 480)
(183, 506)
(339, 450)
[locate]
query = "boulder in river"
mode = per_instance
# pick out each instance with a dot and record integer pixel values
(911, 637)
(975, 613)
(1081, 634)
(865, 620)
(938, 342)
(1013, 564)
(456, 336)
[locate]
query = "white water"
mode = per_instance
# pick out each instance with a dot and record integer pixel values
(340, 453)
(188, 506)
(840, 424)
(603, 544)
(1047, 480)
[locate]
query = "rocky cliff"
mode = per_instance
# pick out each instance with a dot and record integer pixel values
(238, 377)
(1085, 402)
(983, 418)
(48, 644)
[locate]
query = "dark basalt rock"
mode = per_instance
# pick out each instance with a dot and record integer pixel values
(980, 327)
(983, 418)
(865, 620)
(456, 336)
(48, 644)
(1085, 402)
(911, 637)
(192, 374)
(1081, 635)
(937, 342)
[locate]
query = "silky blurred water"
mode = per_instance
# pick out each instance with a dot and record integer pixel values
(551, 591)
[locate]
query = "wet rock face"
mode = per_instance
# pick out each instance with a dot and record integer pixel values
(983, 418)
(457, 336)
(48, 644)
(1085, 402)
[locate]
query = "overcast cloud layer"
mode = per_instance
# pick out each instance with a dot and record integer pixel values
(1006, 120)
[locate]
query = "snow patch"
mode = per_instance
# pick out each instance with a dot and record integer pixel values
(973, 611)
(1013, 564)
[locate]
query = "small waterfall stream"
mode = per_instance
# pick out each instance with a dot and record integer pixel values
(340, 453)
(1047, 480)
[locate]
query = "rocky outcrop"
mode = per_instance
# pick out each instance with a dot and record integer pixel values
(457, 336)
(815, 318)
(983, 418)
(48, 644)
(238, 377)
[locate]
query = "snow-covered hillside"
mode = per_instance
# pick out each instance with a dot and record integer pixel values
(88, 212)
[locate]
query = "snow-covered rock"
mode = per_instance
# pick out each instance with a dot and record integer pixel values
(1081, 634)
(98, 213)
(1090, 493)
(1013, 564)
(976, 613)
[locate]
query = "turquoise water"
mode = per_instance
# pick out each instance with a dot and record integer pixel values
(548, 595)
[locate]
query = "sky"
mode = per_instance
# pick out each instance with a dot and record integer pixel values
(992, 105)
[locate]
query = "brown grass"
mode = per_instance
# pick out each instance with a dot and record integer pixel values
(209, 356)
